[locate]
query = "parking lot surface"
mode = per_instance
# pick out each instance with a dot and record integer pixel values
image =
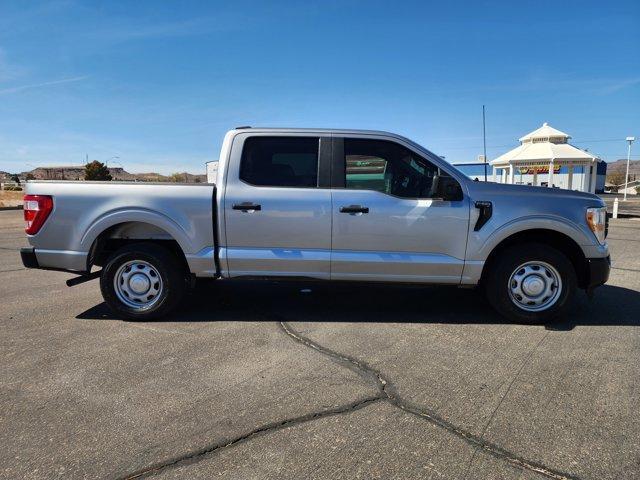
(298, 380)
(629, 207)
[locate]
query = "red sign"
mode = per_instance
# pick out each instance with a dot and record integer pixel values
(538, 169)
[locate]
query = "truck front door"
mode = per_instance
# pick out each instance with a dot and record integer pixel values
(277, 217)
(396, 215)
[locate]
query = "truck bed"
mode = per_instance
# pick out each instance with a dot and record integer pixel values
(163, 211)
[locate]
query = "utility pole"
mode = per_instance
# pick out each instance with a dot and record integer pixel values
(630, 140)
(484, 143)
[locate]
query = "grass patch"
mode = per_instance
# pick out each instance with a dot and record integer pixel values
(10, 199)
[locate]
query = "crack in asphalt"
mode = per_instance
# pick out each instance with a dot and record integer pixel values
(384, 387)
(387, 389)
(386, 393)
(196, 456)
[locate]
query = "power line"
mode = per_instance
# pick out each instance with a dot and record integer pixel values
(513, 145)
(599, 141)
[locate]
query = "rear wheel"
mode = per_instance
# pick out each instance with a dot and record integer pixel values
(142, 281)
(531, 283)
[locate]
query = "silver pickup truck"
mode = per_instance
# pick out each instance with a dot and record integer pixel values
(346, 205)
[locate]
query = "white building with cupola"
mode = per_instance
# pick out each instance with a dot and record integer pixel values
(546, 158)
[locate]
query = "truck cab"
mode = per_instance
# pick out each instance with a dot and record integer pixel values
(358, 207)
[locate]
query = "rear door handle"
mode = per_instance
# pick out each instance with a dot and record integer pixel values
(246, 206)
(354, 209)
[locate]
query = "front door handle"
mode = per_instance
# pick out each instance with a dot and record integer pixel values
(246, 206)
(354, 209)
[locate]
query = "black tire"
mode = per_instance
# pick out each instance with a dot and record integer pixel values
(498, 289)
(162, 262)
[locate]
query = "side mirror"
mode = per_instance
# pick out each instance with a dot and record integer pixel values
(449, 189)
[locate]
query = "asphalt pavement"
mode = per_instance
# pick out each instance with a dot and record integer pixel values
(297, 380)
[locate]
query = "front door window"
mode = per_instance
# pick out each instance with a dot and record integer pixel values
(390, 168)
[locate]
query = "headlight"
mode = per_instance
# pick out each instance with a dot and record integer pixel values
(597, 221)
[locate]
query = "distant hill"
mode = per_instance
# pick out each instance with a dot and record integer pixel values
(118, 173)
(621, 165)
(616, 170)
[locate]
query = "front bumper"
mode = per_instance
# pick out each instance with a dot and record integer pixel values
(599, 269)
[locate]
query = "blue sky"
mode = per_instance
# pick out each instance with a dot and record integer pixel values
(158, 83)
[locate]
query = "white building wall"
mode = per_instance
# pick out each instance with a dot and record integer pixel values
(212, 172)
(631, 190)
(561, 180)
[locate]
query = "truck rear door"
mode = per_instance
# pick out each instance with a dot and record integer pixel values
(277, 210)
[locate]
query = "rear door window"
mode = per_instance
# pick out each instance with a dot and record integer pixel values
(280, 161)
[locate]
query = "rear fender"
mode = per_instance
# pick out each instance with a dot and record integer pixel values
(152, 218)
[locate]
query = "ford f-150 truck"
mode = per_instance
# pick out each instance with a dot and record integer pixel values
(336, 205)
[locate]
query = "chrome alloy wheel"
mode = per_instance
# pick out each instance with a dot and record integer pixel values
(535, 286)
(138, 284)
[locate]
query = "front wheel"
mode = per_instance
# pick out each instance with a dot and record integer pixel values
(531, 283)
(142, 281)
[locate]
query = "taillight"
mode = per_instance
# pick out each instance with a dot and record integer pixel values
(36, 210)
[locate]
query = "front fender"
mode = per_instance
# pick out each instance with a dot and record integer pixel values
(481, 247)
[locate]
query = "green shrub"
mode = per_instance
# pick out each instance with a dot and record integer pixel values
(96, 171)
(13, 188)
